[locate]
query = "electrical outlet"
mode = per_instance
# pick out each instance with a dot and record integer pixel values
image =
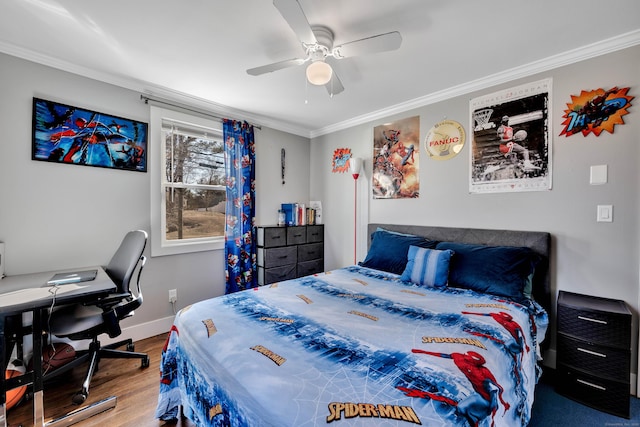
(173, 295)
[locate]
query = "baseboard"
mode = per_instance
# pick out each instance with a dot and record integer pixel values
(143, 330)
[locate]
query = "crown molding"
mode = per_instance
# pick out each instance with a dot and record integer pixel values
(602, 47)
(593, 50)
(205, 106)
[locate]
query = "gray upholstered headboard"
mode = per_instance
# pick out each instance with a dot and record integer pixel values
(538, 241)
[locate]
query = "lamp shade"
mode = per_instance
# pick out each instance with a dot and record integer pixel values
(319, 73)
(355, 164)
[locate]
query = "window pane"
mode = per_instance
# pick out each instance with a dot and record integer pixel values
(194, 213)
(194, 160)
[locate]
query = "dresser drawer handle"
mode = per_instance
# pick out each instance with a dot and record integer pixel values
(599, 387)
(275, 237)
(592, 320)
(283, 257)
(593, 353)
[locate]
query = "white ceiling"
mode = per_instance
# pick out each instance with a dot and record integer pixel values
(197, 51)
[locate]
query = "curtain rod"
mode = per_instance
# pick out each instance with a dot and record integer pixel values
(147, 99)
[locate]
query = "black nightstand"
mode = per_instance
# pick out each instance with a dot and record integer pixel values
(594, 352)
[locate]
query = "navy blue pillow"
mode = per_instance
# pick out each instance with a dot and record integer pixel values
(498, 270)
(388, 250)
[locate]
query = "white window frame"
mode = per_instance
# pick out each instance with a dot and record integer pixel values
(159, 245)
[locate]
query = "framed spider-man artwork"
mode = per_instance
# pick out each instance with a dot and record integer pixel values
(72, 135)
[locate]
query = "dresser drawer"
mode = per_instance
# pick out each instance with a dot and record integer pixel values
(276, 274)
(276, 257)
(310, 267)
(606, 362)
(315, 233)
(310, 251)
(296, 235)
(270, 237)
(605, 395)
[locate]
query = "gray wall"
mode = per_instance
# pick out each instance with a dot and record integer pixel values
(593, 258)
(56, 216)
(61, 216)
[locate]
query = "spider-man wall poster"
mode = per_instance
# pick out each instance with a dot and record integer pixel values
(396, 159)
(72, 135)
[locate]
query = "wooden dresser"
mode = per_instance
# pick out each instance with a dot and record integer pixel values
(594, 352)
(288, 252)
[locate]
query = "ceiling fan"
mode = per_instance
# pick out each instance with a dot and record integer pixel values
(317, 42)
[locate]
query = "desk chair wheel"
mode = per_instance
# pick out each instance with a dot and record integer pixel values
(145, 362)
(79, 398)
(131, 347)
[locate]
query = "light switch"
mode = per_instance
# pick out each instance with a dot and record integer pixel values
(598, 175)
(605, 213)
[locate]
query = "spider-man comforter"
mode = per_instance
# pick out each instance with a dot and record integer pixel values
(352, 347)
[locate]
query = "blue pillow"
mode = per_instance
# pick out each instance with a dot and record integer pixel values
(499, 270)
(388, 250)
(427, 267)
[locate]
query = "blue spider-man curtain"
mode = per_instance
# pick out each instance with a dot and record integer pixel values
(240, 244)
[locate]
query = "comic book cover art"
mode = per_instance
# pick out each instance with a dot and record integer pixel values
(396, 159)
(72, 135)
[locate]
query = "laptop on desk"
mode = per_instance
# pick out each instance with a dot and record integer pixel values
(72, 277)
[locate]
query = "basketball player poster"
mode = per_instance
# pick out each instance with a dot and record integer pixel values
(396, 159)
(511, 140)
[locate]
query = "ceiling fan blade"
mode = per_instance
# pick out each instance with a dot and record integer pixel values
(374, 44)
(292, 12)
(275, 66)
(334, 86)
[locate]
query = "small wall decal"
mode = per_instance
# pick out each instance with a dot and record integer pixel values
(340, 161)
(596, 111)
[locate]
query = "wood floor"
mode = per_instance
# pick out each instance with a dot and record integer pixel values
(136, 390)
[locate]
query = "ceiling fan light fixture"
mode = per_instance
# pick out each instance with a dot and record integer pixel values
(319, 73)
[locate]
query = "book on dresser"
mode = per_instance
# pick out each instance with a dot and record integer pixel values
(288, 252)
(594, 352)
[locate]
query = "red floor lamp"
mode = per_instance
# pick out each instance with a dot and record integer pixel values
(355, 164)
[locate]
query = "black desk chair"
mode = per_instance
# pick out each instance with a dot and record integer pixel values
(89, 320)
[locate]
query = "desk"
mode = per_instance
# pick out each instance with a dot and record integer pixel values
(25, 293)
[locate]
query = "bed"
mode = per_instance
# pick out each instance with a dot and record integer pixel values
(437, 326)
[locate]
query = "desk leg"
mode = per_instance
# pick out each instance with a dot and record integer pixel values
(38, 409)
(38, 399)
(3, 415)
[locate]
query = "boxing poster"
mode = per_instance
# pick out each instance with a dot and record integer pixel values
(511, 140)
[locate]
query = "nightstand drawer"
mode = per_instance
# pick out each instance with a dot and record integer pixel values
(310, 252)
(610, 326)
(270, 237)
(296, 235)
(276, 257)
(310, 267)
(599, 327)
(604, 362)
(277, 274)
(598, 393)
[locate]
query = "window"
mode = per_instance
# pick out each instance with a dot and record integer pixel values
(188, 183)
